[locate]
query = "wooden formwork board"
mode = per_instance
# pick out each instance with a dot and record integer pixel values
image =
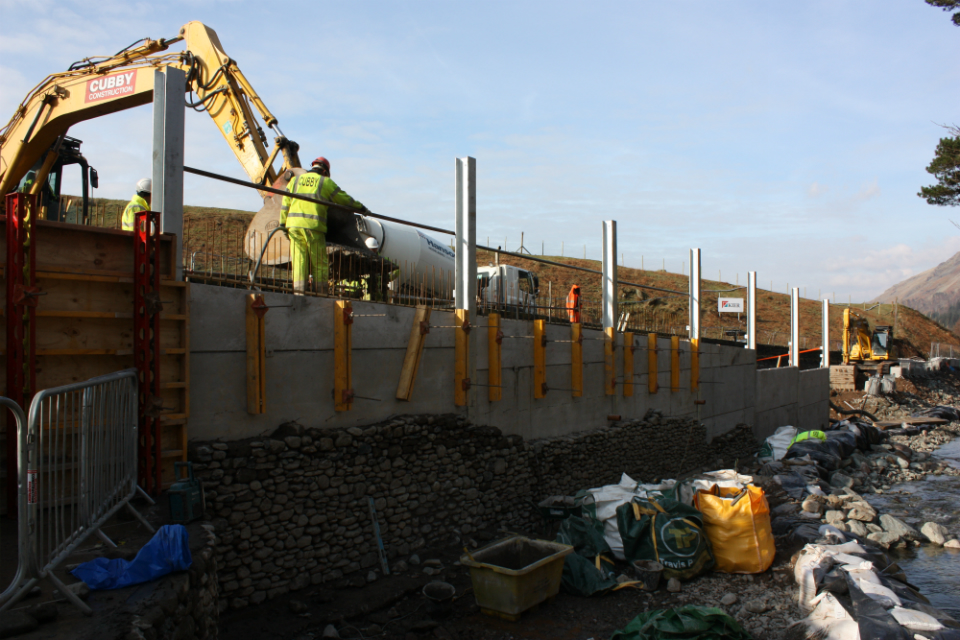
(85, 322)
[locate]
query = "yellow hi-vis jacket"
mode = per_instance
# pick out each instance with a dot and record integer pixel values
(300, 214)
(136, 205)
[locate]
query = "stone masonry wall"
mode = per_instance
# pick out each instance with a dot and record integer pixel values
(292, 509)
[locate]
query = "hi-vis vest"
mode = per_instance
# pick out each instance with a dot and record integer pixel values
(301, 214)
(136, 205)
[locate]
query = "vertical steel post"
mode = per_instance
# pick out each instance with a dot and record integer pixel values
(609, 274)
(21, 304)
(146, 344)
(466, 277)
(825, 331)
(169, 87)
(752, 310)
(694, 294)
(466, 249)
(795, 327)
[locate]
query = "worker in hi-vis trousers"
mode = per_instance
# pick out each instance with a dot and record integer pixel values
(140, 202)
(305, 223)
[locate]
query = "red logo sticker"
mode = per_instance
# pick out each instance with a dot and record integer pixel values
(109, 87)
(32, 486)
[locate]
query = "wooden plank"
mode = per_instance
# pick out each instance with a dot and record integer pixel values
(342, 324)
(461, 368)
(494, 363)
(256, 356)
(576, 360)
(411, 361)
(609, 361)
(695, 364)
(652, 367)
(539, 359)
(628, 353)
(674, 363)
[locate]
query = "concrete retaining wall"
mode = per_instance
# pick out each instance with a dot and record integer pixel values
(788, 396)
(299, 373)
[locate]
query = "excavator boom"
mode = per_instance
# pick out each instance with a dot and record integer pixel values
(95, 87)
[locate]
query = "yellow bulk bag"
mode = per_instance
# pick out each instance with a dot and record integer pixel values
(737, 522)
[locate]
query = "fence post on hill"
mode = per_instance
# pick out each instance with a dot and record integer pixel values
(169, 108)
(752, 310)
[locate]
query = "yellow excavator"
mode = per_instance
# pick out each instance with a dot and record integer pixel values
(863, 346)
(34, 145)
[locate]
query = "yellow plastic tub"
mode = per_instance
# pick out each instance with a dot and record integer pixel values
(514, 574)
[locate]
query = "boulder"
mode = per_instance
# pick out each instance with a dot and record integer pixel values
(898, 528)
(935, 533)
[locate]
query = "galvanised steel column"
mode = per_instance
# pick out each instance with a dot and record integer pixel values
(466, 247)
(795, 327)
(169, 87)
(609, 274)
(752, 310)
(825, 330)
(694, 294)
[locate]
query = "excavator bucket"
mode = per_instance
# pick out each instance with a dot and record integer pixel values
(277, 252)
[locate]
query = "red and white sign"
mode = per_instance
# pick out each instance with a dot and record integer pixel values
(33, 489)
(730, 305)
(110, 87)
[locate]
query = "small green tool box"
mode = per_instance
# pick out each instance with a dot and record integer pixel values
(186, 496)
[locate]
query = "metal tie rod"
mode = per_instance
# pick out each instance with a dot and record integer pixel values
(297, 196)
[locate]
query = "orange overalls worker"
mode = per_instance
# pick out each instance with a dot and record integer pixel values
(573, 303)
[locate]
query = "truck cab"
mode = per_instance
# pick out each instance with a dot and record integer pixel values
(507, 289)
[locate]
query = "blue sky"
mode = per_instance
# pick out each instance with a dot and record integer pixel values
(786, 138)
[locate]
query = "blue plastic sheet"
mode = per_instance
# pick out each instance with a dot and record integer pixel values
(167, 551)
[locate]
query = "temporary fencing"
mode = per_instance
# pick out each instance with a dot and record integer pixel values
(944, 350)
(77, 465)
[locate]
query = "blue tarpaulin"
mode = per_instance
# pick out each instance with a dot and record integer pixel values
(167, 551)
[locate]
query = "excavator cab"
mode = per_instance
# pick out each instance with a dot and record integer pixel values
(881, 343)
(53, 206)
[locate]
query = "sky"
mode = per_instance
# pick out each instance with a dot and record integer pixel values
(788, 139)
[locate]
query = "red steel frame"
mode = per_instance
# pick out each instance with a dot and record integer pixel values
(21, 304)
(146, 345)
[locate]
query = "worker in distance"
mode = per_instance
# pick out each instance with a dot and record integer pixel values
(305, 223)
(139, 202)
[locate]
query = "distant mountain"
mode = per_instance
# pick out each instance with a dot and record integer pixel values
(935, 292)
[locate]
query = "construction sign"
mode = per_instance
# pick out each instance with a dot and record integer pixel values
(730, 305)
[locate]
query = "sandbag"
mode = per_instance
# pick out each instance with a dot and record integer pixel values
(600, 506)
(664, 529)
(683, 623)
(588, 570)
(738, 526)
(776, 446)
(686, 490)
(167, 551)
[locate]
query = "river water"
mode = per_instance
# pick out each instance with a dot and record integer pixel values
(935, 571)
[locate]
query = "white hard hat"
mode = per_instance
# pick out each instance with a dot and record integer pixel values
(145, 186)
(372, 244)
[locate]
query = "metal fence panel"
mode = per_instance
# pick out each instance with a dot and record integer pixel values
(78, 467)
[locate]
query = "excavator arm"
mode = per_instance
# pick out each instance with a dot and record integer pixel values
(99, 86)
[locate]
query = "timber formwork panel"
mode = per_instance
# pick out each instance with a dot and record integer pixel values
(85, 325)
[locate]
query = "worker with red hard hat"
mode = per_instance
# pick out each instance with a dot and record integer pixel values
(305, 223)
